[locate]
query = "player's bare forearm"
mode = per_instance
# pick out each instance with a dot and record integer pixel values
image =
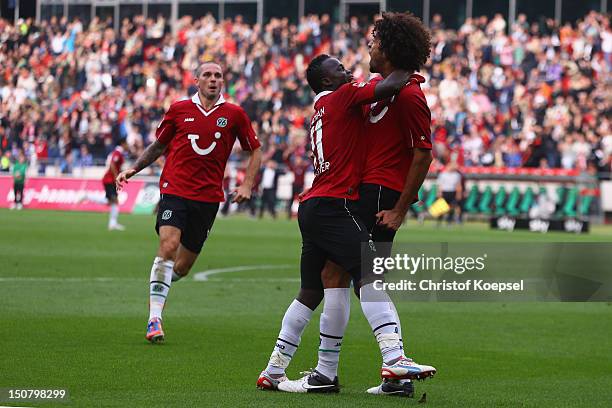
(252, 167)
(243, 193)
(421, 160)
(151, 154)
(391, 85)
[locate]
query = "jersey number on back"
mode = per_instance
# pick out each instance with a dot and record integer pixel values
(316, 140)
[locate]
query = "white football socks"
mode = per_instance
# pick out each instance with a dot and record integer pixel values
(382, 319)
(294, 322)
(113, 215)
(335, 317)
(161, 279)
(399, 325)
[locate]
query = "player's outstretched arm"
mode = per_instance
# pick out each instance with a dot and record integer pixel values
(151, 154)
(416, 175)
(243, 193)
(391, 85)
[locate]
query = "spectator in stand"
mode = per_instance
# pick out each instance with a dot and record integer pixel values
(19, 177)
(543, 86)
(450, 188)
(298, 167)
(5, 162)
(85, 158)
(269, 184)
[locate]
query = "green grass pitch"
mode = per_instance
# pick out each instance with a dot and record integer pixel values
(73, 311)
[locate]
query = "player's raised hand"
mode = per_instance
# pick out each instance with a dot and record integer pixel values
(122, 178)
(241, 194)
(391, 219)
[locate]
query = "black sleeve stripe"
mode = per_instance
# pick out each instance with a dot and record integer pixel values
(285, 341)
(162, 283)
(384, 325)
(330, 337)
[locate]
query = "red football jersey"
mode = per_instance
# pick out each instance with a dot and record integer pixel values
(199, 143)
(116, 160)
(393, 128)
(337, 139)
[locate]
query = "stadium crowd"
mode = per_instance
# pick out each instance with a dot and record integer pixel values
(533, 95)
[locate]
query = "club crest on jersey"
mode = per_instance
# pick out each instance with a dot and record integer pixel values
(222, 122)
(359, 84)
(167, 214)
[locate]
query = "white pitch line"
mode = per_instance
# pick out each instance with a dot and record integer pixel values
(112, 280)
(62, 279)
(198, 276)
(252, 280)
(203, 276)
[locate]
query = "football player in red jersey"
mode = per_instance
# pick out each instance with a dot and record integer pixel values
(397, 160)
(197, 136)
(114, 161)
(331, 231)
(399, 142)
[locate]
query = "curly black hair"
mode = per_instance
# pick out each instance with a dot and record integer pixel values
(404, 39)
(314, 73)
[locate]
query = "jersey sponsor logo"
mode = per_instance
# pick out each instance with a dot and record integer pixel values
(378, 110)
(376, 118)
(197, 149)
(189, 119)
(359, 84)
(222, 122)
(167, 214)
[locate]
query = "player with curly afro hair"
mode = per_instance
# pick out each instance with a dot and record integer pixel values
(399, 150)
(401, 41)
(397, 139)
